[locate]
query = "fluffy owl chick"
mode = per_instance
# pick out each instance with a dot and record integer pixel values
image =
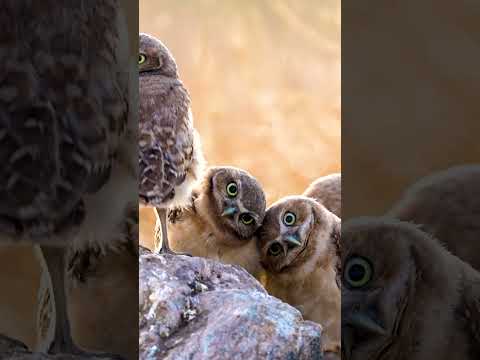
(298, 245)
(447, 205)
(328, 191)
(64, 93)
(227, 207)
(404, 296)
(170, 155)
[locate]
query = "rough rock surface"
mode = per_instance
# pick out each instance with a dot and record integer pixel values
(15, 350)
(194, 308)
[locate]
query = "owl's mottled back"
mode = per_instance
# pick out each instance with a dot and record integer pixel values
(169, 154)
(328, 191)
(447, 205)
(63, 111)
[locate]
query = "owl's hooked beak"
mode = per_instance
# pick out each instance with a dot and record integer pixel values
(363, 322)
(357, 322)
(293, 240)
(229, 211)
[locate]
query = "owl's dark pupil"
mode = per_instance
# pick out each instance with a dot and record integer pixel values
(232, 189)
(275, 249)
(246, 218)
(356, 272)
(289, 219)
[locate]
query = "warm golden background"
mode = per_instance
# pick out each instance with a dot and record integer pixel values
(264, 78)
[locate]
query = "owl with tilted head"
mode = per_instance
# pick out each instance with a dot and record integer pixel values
(298, 245)
(227, 208)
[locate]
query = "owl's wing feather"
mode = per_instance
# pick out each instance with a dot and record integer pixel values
(167, 140)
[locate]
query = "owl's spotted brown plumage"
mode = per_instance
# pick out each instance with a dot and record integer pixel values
(299, 244)
(63, 126)
(170, 152)
(404, 296)
(62, 116)
(227, 207)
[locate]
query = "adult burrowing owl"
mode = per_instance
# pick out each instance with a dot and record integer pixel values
(226, 209)
(63, 123)
(404, 296)
(298, 245)
(328, 191)
(447, 205)
(170, 153)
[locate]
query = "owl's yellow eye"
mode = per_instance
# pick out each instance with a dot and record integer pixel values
(141, 59)
(289, 219)
(275, 249)
(358, 272)
(232, 189)
(247, 219)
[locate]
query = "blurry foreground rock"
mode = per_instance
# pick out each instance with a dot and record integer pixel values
(14, 350)
(194, 308)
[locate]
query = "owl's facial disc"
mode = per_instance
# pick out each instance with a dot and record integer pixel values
(232, 195)
(291, 241)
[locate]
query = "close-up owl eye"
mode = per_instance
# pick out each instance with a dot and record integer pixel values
(358, 272)
(289, 218)
(275, 249)
(246, 219)
(141, 59)
(232, 189)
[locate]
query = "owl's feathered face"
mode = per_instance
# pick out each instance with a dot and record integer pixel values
(296, 230)
(155, 59)
(236, 201)
(380, 272)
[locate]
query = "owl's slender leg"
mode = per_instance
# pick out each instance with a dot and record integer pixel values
(63, 342)
(55, 259)
(165, 247)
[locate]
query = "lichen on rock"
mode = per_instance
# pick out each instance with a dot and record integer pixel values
(195, 308)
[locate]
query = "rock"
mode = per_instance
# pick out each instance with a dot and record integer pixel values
(15, 350)
(194, 308)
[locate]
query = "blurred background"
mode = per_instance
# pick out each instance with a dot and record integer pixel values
(409, 103)
(264, 78)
